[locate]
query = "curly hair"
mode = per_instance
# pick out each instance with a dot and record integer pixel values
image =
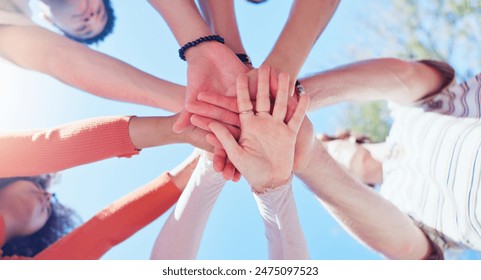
(61, 221)
(108, 29)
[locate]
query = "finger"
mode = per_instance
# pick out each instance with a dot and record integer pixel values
(219, 100)
(280, 107)
(211, 139)
(203, 123)
(243, 100)
(273, 82)
(218, 160)
(299, 114)
(216, 113)
(263, 103)
(229, 170)
(182, 122)
(237, 176)
(291, 107)
(233, 150)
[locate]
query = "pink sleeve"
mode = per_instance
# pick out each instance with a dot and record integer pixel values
(50, 150)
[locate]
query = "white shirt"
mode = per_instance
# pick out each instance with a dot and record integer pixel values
(434, 173)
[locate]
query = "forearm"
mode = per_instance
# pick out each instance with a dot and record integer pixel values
(38, 49)
(307, 20)
(283, 231)
(183, 18)
(369, 217)
(146, 132)
(386, 78)
(182, 232)
(221, 18)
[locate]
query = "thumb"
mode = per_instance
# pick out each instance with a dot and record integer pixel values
(182, 122)
(233, 150)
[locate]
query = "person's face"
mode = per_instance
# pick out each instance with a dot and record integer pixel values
(29, 205)
(350, 155)
(79, 18)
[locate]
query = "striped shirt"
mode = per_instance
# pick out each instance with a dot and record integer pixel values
(459, 100)
(434, 175)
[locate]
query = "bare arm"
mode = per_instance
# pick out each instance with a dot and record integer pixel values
(386, 78)
(221, 18)
(39, 49)
(183, 18)
(212, 67)
(307, 20)
(365, 214)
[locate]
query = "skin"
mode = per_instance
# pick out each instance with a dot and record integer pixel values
(25, 208)
(79, 18)
(211, 66)
(146, 132)
(143, 132)
(396, 80)
(369, 217)
(307, 20)
(357, 159)
(363, 212)
(263, 133)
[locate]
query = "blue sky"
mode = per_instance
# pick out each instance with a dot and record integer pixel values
(141, 38)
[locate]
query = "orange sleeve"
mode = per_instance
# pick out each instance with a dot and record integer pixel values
(115, 223)
(45, 151)
(2, 232)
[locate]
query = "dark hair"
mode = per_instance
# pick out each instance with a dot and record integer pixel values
(256, 1)
(61, 221)
(345, 135)
(109, 27)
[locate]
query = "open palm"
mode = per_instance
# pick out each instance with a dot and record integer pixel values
(264, 154)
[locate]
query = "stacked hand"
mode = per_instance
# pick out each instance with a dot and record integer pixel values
(264, 153)
(212, 69)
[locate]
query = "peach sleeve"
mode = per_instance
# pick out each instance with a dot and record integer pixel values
(2, 232)
(45, 151)
(115, 223)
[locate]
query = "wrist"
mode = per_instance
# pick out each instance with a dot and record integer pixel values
(200, 46)
(311, 163)
(282, 63)
(272, 185)
(284, 67)
(175, 137)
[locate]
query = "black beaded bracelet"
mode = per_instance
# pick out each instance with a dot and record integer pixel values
(244, 58)
(198, 41)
